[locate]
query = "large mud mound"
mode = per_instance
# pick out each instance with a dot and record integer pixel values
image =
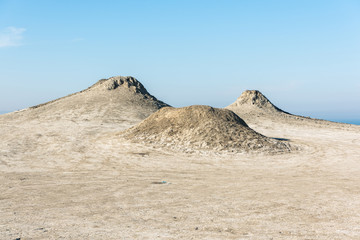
(114, 100)
(130, 84)
(202, 127)
(256, 100)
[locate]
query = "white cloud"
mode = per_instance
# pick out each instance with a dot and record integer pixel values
(11, 36)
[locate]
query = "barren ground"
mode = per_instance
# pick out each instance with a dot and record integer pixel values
(73, 178)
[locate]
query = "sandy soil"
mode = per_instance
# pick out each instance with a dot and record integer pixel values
(72, 178)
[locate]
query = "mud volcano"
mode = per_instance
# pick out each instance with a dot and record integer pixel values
(203, 128)
(254, 100)
(118, 99)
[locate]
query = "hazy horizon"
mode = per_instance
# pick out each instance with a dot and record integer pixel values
(304, 56)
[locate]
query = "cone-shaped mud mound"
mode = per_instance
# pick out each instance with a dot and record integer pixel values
(122, 88)
(255, 100)
(203, 128)
(118, 99)
(260, 113)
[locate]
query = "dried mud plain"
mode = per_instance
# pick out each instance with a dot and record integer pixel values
(66, 175)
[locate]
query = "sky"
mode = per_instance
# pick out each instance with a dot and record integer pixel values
(303, 55)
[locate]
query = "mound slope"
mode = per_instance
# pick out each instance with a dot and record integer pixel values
(116, 99)
(202, 127)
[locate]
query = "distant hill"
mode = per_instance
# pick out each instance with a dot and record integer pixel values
(258, 111)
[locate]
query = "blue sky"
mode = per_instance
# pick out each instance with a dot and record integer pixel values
(303, 55)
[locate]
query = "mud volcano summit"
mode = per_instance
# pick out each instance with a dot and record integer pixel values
(202, 127)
